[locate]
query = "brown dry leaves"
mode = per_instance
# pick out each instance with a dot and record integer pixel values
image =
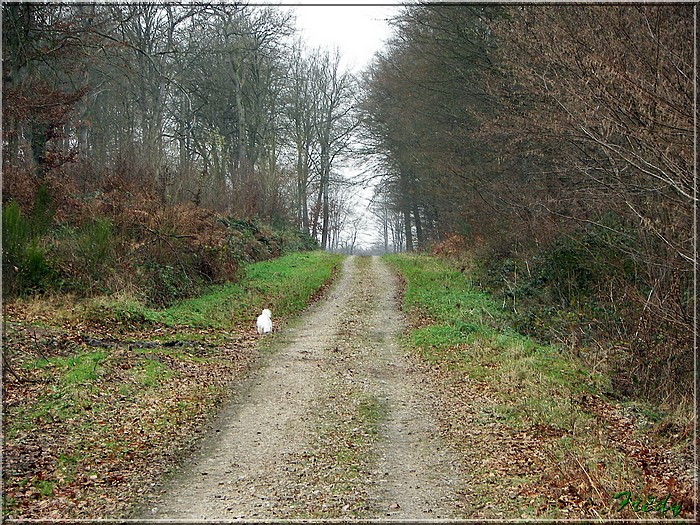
(535, 471)
(89, 451)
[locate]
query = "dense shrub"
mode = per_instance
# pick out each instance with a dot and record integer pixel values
(25, 267)
(164, 283)
(293, 240)
(15, 229)
(590, 292)
(120, 236)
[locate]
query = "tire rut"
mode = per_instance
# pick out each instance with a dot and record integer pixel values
(420, 473)
(337, 422)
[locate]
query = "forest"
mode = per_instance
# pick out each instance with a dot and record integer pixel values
(173, 140)
(552, 149)
(169, 170)
(548, 150)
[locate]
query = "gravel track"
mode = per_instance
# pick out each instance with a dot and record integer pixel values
(337, 422)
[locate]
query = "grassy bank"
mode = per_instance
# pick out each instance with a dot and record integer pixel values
(286, 285)
(544, 402)
(462, 329)
(102, 396)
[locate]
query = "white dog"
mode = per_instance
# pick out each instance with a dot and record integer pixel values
(264, 322)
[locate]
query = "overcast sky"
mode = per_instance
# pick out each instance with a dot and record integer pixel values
(357, 30)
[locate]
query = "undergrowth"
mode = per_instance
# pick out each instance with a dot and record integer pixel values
(285, 285)
(463, 329)
(102, 395)
(588, 292)
(57, 240)
(539, 388)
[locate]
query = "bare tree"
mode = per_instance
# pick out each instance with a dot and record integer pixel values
(525, 126)
(45, 48)
(334, 126)
(301, 112)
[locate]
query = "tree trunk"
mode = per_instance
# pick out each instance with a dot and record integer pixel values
(408, 229)
(419, 227)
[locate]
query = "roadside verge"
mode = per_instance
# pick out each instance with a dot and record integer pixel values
(103, 397)
(536, 430)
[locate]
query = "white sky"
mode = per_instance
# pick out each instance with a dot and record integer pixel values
(358, 31)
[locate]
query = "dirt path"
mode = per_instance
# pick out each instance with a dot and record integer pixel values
(337, 423)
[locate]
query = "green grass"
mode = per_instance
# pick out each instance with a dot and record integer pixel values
(151, 373)
(101, 411)
(284, 285)
(371, 412)
(533, 387)
(81, 369)
(464, 330)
